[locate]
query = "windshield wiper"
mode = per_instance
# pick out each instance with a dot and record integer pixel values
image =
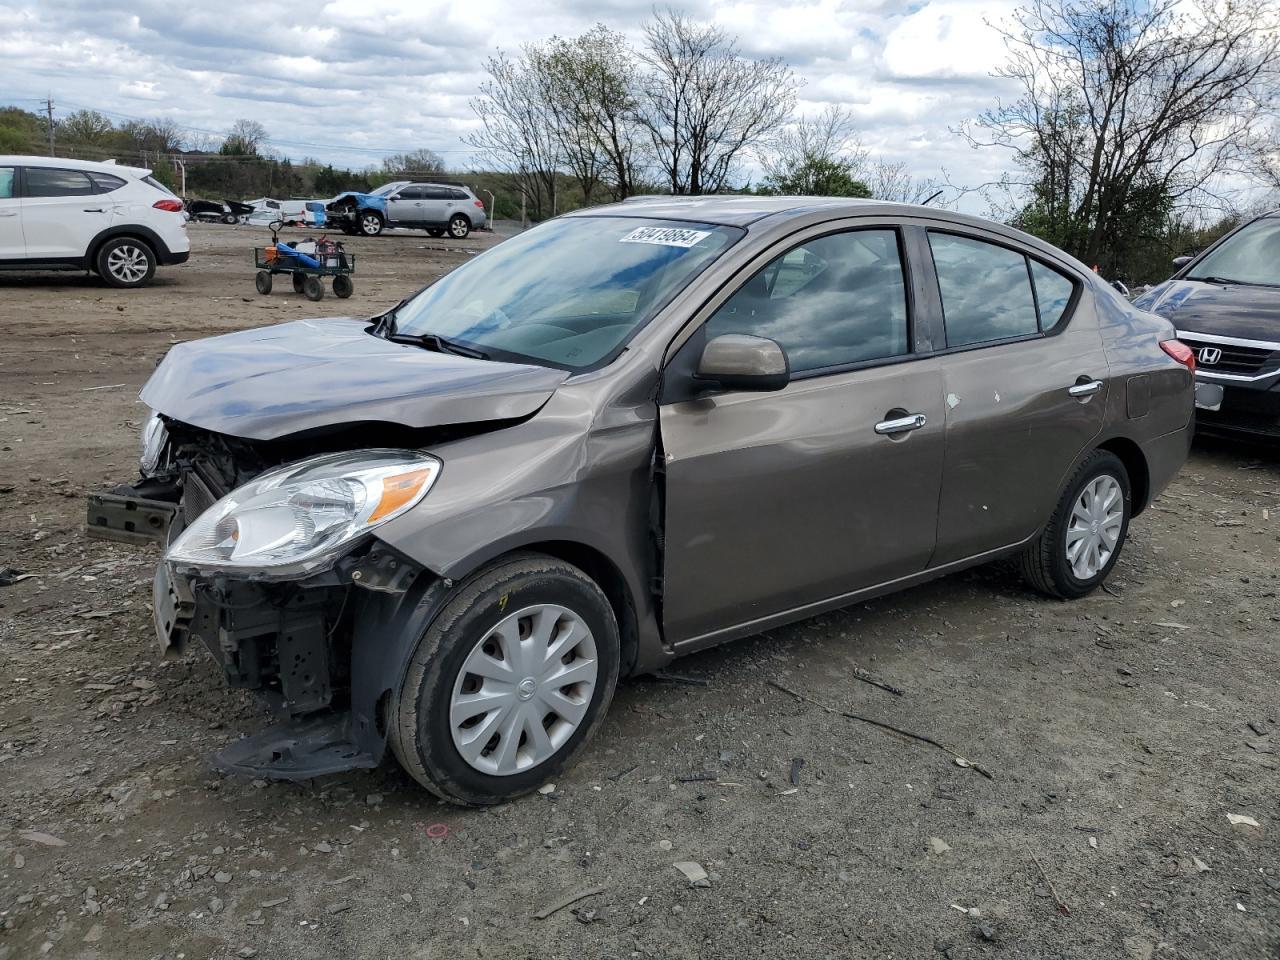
(433, 341)
(1224, 281)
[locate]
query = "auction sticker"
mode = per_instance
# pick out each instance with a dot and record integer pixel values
(666, 236)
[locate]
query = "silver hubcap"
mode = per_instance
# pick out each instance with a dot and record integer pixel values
(458, 228)
(371, 224)
(127, 264)
(523, 690)
(1095, 524)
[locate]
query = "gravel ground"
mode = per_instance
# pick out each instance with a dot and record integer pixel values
(1125, 735)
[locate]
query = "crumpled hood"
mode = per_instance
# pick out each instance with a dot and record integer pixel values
(1231, 310)
(275, 381)
(364, 201)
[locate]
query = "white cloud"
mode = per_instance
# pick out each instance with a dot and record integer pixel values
(364, 78)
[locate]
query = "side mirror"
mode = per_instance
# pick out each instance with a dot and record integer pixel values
(739, 362)
(1181, 262)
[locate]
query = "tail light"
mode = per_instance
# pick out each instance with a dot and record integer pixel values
(171, 206)
(1180, 352)
(480, 204)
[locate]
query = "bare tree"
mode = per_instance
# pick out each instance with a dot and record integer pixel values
(816, 156)
(1127, 109)
(589, 85)
(153, 136)
(244, 138)
(704, 104)
(518, 132)
(414, 162)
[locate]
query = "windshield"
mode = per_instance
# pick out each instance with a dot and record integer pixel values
(1250, 256)
(386, 189)
(568, 293)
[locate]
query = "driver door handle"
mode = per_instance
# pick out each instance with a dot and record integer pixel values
(912, 421)
(1085, 389)
(94, 210)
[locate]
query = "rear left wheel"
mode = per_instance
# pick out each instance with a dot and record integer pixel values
(508, 683)
(1082, 541)
(126, 262)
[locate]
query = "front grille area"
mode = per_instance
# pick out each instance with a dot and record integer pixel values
(1240, 360)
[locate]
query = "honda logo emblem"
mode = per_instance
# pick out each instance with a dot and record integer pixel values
(1209, 355)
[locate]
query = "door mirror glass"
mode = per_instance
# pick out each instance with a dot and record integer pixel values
(1182, 261)
(739, 362)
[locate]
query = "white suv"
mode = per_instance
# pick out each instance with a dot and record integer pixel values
(118, 222)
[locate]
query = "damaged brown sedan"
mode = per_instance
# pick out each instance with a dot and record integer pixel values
(626, 435)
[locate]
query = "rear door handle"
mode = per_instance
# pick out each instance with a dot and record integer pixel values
(8, 213)
(94, 210)
(1085, 389)
(912, 421)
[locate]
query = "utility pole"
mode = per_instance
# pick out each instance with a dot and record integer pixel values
(48, 106)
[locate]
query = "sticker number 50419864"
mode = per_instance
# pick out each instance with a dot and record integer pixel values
(666, 236)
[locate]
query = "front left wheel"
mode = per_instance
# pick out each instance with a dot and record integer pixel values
(509, 682)
(371, 223)
(126, 262)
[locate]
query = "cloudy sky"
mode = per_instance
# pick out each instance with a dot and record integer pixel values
(351, 81)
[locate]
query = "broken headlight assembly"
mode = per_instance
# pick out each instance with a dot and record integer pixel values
(299, 518)
(154, 438)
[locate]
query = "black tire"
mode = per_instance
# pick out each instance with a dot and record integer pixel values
(230, 219)
(418, 718)
(342, 286)
(435, 232)
(313, 289)
(459, 227)
(262, 280)
(371, 223)
(299, 281)
(125, 262)
(1044, 563)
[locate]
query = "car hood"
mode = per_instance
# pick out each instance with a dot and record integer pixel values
(275, 381)
(1224, 310)
(364, 201)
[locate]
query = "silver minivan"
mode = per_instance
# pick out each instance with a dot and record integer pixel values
(629, 434)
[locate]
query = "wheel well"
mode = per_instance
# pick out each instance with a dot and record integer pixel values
(99, 244)
(609, 578)
(460, 213)
(1135, 463)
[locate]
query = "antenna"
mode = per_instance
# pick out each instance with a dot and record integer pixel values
(932, 197)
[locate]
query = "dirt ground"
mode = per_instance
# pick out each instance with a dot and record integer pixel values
(1123, 733)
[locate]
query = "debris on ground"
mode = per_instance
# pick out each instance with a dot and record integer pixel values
(694, 873)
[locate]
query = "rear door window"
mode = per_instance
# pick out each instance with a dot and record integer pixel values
(986, 290)
(55, 182)
(438, 193)
(830, 302)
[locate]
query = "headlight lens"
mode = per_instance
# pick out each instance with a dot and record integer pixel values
(296, 519)
(154, 438)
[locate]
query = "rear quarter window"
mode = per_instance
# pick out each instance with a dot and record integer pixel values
(1053, 294)
(105, 182)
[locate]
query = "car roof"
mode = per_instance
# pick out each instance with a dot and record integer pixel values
(743, 211)
(68, 163)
